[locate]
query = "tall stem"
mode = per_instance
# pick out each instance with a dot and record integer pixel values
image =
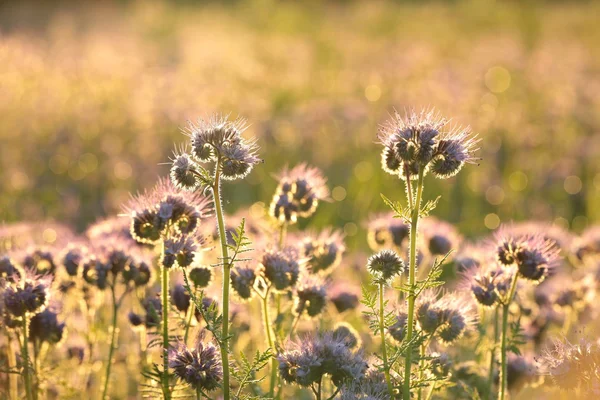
(188, 320)
(386, 367)
(165, 331)
(493, 355)
(25, 351)
(267, 321)
(113, 335)
(411, 282)
(226, 279)
(13, 385)
(506, 305)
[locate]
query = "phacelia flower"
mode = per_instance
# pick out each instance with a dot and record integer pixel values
(323, 253)
(179, 251)
(439, 237)
(385, 265)
(242, 280)
(421, 142)
(343, 297)
(44, 327)
(27, 295)
(385, 231)
(310, 296)
(280, 268)
(200, 276)
(306, 361)
(199, 367)
(346, 333)
(298, 193)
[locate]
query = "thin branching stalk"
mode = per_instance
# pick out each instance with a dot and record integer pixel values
(226, 272)
(422, 354)
(113, 334)
(503, 350)
(25, 351)
(386, 367)
(411, 282)
(493, 355)
(36, 368)
(165, 331)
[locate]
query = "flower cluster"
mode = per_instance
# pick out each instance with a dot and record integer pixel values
(298, 194)
(199, 367)
(419, 142)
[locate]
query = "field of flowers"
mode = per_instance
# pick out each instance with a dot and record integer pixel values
(272, 200)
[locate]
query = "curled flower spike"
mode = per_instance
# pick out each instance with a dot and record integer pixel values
(200, 276)
(486, 283)
(385, 265)
(344, 297)
(216, 139)
(310, 297)
(346, 333)
(280, 268)
(324, 252)
(242, 281)
(180, 251)
(387, 232)
(439, 237)
(9, 270)
(180, 298)
(199, 367)
(298, 193)
(27, 295)
(306, 361)
(45, 327)
(419, 141)
(398, 329)
(152, 212)
(532, 254)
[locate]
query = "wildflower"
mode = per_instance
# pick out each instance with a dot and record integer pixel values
(8, 269)
(343, 297)
(95, 272)
(311, 296)
(242, 281)
(418, 142)
(398, 330)
(200, 367)
(27, 295)
(298, 193)
(324, 252)
(385, 265)
(482, 283)
(184, 171)
(588, 244)
(200, 276)
(40, 260)
(344, 332)
(165, 207)
(521, 372)
(385, 231)
(441, 364)
(44, 327)
(440, 237)
(72, 258)
(533, 255)
(305, 362)
(280, 268)
(220, 140)
(180, 298)
(371, 386)
(179, 251)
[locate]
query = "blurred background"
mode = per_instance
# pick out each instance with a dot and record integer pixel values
(93, 96)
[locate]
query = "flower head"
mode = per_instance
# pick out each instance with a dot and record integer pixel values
(385, 231)
(45, 327)
(324, 252)
(200, 276)
(343, 296)
(385, 265)
(310, 296)
(280, 268)
(298, 193)
(242, 281)
(420, 142)
(28, 294)
(200, 367)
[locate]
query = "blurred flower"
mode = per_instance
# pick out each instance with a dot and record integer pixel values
(44, 327)
(324, 252)
(387, 232)
(310, 296)
(242, 280)
(343, 297)
(280, 268)
(200, 367)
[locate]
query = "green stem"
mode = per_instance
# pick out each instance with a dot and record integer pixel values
(36, 368)
(386, 368)
(188, 322)
(165, 331)
(226, 272)
(503, 353)
(282, 234)
(113, 335)
(493, 355)
(13, 385)
(267, 322)
(430, 394)
(25, 351)
(412, 270)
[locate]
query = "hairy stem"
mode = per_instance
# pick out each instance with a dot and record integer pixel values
(267, 322)
(226, 272)
(13, 385)
(503, 352)
(25, 351)
(113, 328)
(386, 368)
(188, 321)
(411, 281)
(493, 355)
(165, 331)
